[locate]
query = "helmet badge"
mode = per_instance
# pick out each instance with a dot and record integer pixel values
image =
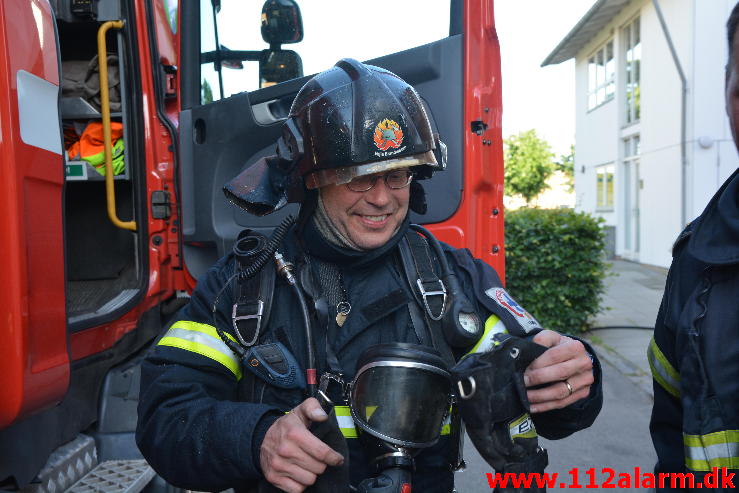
(388, 134)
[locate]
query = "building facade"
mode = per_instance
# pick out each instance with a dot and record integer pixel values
(653, 141)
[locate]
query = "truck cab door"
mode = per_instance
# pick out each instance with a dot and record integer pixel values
(225, 128)
(34, 364)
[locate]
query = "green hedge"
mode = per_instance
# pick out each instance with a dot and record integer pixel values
(555, 265)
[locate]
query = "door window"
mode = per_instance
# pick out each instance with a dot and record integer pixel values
(333, 29)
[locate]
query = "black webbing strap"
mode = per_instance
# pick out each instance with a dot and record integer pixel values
(418, 267)
(253, 300)
(428, 285)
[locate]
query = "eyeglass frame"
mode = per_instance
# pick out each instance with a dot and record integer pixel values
(384, 176)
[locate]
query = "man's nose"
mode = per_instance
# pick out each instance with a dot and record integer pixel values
(379, 195)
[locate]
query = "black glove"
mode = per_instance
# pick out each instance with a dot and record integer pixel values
(493, 404)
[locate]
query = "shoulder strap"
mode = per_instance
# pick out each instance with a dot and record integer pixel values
(253, 300)
(428, 291)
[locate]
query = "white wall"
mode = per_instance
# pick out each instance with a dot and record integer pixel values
(697, 28)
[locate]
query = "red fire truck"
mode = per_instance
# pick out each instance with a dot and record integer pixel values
(119, 122)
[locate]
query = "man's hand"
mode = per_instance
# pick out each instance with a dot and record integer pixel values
(291, 456)
(565, 362)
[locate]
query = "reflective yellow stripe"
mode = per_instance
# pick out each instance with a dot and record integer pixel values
(202, 339)
(446, 425)
(493, 326)
(662, 370)
(522, 427)
(718, 449)
(346, 422)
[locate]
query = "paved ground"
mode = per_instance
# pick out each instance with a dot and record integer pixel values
(619, 438)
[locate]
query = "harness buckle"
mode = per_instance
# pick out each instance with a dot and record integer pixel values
(425, 294)
(237, 318)
(337, 379)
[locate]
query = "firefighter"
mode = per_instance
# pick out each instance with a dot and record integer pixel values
(694, 354)
(353, 150)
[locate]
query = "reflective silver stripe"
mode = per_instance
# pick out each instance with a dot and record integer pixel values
(202, 339)
(662, 371)
(345, 421)
(718, 449)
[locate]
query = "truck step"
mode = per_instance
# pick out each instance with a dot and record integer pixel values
(115, 476)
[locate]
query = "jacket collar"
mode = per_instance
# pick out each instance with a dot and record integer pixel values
(715, 238)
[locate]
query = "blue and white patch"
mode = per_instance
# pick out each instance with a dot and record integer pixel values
(505, 301)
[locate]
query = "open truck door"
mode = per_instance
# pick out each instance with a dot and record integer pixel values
(225, 127)
(34, 363)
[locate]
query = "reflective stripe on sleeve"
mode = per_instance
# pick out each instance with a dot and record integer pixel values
(493, 326)
(662, 371)
(202, 339)
(718, 449)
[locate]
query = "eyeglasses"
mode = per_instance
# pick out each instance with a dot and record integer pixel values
(396, 179)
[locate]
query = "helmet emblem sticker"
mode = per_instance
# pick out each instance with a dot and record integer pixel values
(388, 134)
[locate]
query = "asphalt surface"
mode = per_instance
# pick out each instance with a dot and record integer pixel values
(618, 441)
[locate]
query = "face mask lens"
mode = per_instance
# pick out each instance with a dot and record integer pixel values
(404, 405)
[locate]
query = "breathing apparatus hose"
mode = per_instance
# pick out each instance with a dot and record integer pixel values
(285, 269)
(262, 254)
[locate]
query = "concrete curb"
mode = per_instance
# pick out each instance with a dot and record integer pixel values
(641, 379)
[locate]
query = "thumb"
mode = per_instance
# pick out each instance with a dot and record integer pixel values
(310, 410)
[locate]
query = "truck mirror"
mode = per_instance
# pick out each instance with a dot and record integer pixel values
(281, 22)
(277, 66)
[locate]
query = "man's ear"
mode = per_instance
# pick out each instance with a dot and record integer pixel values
(417, 201)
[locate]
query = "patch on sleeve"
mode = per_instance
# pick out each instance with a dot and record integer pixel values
(505, 301)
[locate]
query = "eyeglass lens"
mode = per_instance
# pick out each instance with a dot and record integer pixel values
(394, 179)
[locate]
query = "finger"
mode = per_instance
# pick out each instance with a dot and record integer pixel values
(567, 349)
(548, 406)
(285, 483)
(308, 451)
(547, 338)
(310, 410)
(557, 372)
(559, 390)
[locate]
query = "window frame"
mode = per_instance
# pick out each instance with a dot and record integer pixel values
(599, 78)
(632, 108)
(605, 190)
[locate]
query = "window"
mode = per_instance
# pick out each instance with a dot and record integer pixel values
(632, 65)
(328, 37)
(601, 76)
(604, 183)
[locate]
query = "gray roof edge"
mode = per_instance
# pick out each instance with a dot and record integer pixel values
(552, 58)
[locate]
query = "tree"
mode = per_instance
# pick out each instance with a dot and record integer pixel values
(528, 164)
(566, 165)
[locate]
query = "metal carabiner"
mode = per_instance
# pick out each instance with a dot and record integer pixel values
(473, 388)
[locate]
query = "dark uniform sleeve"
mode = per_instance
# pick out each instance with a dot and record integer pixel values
(666, 423)
(483, 282)
(191, 428)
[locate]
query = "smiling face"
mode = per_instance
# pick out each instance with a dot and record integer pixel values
(369, 219)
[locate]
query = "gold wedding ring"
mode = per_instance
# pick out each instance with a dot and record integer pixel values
(569, 388)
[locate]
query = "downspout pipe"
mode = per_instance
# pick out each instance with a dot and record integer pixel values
(683, 117)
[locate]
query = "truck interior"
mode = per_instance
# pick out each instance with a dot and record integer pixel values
(104, 262)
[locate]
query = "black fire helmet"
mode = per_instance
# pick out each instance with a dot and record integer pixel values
(351, 120)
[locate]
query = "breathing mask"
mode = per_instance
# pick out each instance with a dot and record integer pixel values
(399, 398)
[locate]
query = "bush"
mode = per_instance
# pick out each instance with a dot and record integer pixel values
(555, 265)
